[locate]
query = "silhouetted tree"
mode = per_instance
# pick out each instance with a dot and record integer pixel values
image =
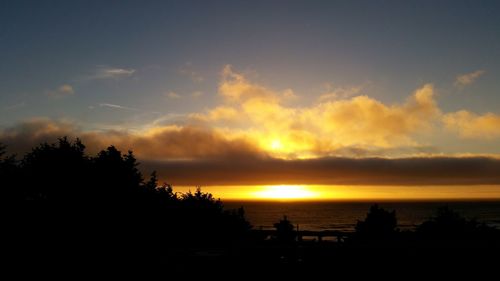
(166, 191)
(152, 183)
(55, 172)
(378, 224)
(117, 173)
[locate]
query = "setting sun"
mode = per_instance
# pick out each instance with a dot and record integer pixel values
(276, 144)
(285, 192)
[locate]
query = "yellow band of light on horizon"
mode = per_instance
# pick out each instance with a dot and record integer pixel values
(343, 192)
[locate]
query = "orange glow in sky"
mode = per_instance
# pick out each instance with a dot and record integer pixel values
(344, 192)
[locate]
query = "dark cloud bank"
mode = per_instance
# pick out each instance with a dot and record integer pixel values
(364, 171)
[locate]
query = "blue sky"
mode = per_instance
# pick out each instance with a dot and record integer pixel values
(126, 64)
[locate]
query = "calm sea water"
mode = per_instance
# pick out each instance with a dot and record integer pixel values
(344, 215)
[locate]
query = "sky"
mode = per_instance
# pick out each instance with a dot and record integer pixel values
(261, 92)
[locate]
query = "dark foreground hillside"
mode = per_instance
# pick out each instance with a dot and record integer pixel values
(66, 211)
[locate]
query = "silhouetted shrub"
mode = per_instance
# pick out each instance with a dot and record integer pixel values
(448, 224)
(9, 177)
(285, 231)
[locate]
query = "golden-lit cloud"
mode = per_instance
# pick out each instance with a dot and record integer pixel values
(176, 142)
(163, 142)
(265, 118)
(23, 136)
(468, 78)
(219, 113)
(334, 93)
(473, 126)
(364, 121)
(234, 87)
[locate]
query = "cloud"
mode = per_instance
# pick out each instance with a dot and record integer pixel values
(112, 73)
(164, 142)
(172, 95)
(25, 135)
(258, 134)
(468, 78)
(288, 94)
(332, 170)
(199, 156)
(224, 113)
(332, 93)
(61, 92)
(263, 116)
(116, 106)
(472, 126)
(197, 94)
(362, 120)
(176, 142)
(168, 119)
(234, 87)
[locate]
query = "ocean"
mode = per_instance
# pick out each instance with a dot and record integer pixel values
(342, 215)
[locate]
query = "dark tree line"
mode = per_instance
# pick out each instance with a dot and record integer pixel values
(61, 204)
(444, 225)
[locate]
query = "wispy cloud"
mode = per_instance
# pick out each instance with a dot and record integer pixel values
(61, 92)
(332, 93)
(172, 95)
(168, 119)
(197, 94)
(468, 78)
(103, 72)
(116, 106)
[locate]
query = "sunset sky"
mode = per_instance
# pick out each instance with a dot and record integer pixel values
(292, 99)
